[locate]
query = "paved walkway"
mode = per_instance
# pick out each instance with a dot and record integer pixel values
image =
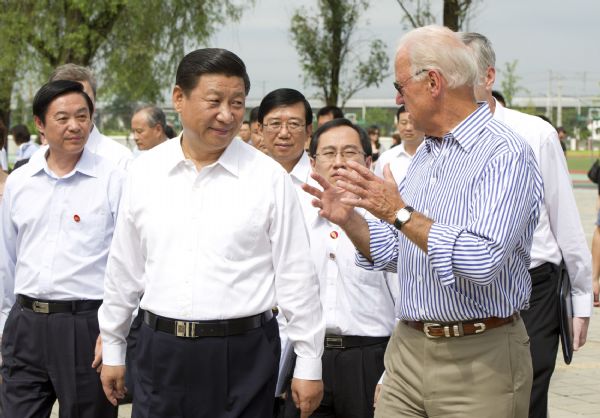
(575, 389)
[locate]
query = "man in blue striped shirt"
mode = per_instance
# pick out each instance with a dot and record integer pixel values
(466, 212)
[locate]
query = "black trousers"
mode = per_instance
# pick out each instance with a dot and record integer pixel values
(49, 357)
(207, 377)
(349, 380)
(131, 374)
(542, 323)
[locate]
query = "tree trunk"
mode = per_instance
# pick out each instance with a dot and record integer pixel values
(452, 12)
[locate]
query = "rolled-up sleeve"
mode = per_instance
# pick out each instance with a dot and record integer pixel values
(504, 210)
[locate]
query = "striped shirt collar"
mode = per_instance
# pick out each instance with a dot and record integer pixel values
(467, 132)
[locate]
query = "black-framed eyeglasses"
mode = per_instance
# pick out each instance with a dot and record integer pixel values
(400, 86)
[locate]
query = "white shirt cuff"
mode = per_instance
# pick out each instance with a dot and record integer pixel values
(308, 368)
(113, 355)
(582, 305)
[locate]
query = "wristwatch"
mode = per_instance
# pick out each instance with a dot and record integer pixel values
(403, 216)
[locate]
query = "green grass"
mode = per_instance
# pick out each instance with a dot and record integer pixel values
(581, 160)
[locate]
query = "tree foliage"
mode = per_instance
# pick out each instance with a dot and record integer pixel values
(455, 13)
(133, 46)
(510, 82)
(330, 56)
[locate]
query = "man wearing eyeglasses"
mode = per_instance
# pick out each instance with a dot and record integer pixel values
(285, 118)
(358, 303)
(458, 231)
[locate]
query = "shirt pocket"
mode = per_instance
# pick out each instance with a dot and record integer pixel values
(84, 232)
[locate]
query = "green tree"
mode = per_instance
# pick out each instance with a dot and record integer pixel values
(330, 56)
(455, 13)
(133, 46)
(510, 82)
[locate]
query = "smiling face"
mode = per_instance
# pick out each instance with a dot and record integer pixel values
(212, 112)
(286, 143)
(67, 125)
(337, 146)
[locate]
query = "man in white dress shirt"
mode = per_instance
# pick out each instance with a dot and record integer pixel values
(400, 156)
(22, 138)
(558, 237)
(208, 233)
(148, 125)
(57, 219)
(97, 143)
(358, 304)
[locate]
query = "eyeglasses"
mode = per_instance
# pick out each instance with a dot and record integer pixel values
(347, 154)
(292, 126)
(400, 86)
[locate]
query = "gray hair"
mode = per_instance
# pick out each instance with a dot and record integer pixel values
(482, 50)
(154, 116)
(436, 47)
(74, 72)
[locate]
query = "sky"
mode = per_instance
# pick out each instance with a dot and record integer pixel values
(555, 37)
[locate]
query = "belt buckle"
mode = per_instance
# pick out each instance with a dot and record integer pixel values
(480, 327)
(185, 329)
(428, 325)
(334, 342)
(41, 307)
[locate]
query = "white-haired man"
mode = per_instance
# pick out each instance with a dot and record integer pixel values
(559, 235)
(458, 230)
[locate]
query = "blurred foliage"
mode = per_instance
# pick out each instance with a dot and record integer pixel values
(329, 52)
(133, 46)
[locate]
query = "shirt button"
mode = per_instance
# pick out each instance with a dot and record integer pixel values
(419, 278)
(331, 256)
(426, 212)
(422, 312)
(432, 180)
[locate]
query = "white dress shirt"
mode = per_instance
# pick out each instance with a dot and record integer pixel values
(56, 232)
(559, 234)
(398, 159)
(355, 301)
(103, 146)
(109, 148)
(26, 150)
(3, 159)
(220, 243)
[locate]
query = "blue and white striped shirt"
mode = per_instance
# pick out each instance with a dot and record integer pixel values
(481, 186)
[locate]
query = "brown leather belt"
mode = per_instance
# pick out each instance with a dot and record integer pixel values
(460, 329)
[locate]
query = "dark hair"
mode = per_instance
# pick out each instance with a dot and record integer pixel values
(560, 129)
(20, 134)
(170, 132)
(74, 72)
(365, 142)
(284, 97)
(50, 91)
(543, 117)
(335, 111)
(154, 115)
(253, 115)
(209, 61)
(401, 109)
(498, 96)
(246, 122)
